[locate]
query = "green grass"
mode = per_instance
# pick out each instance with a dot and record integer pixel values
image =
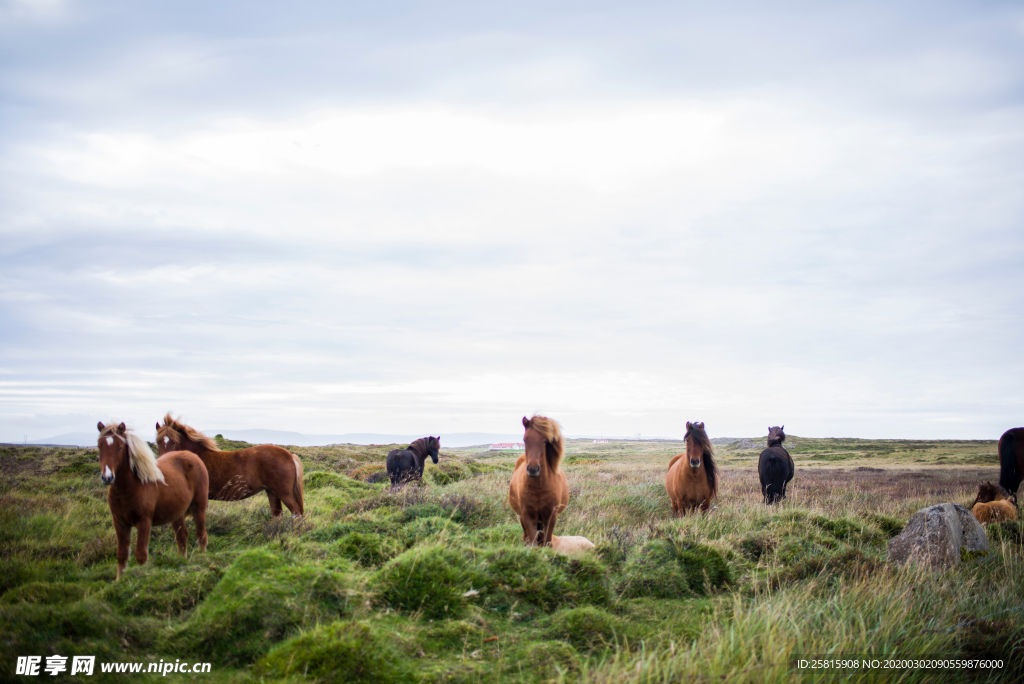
(432, 583)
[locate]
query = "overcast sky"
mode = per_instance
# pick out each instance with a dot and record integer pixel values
(438, 217)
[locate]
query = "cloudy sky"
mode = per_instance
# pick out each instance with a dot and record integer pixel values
(438, 217)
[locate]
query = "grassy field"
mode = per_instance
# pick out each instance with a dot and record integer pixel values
(432, 583)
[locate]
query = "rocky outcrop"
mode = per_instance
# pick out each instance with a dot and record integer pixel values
(939, 536)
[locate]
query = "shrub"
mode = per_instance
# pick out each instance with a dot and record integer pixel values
(261, 597)
(342, 652)
(585, 627)
(447, 472)
(371, 470)
(666, 568)
(163, 592)
(431, 579)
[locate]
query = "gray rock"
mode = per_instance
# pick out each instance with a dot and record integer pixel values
(936, 535)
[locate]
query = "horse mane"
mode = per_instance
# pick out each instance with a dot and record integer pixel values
(551, 431)
(696, 430)
(422, 446)
(776, 436)
(179, 429)
(140, 456)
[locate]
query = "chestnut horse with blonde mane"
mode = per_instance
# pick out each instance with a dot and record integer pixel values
(539, 491)
(994, 503)
(144, 492)
(236, 475)
(692, 478)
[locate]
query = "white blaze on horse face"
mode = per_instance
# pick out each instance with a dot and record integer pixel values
(110, 440)
(167, 440)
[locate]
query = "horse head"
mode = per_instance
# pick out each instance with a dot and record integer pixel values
(168, 439)
(543, 440)
(694, 445)
(433, 444)
(988, 492)
(113, 447)
(776, 436)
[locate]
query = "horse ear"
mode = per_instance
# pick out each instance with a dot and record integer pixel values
(122, 428)
(99, 426)
(701, 425)
(782, 428)
(158, 425)
(526, 422)
(688, 425)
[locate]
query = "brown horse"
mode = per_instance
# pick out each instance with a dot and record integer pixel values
(1011, 459)
(692, 478)
(993, 504)
(236, 475)
(145, 492)
(539, 491)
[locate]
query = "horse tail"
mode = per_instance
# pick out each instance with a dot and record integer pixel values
(775, 475)
(1009, 475)
(297, 486)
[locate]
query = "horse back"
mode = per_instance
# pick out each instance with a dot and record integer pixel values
(186, 481)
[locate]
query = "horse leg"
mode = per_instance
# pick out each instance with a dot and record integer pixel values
(549, 531)
(180, 535)
(529, 529)
(288, 500)
(124, 541)
(142, 540)
(275, 504)
(199, 518)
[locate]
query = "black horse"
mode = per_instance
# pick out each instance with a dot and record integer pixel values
(405, 465)
(775, 467)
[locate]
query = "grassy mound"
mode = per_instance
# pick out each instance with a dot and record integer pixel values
(431, 579)
(585, 627)
(666, 568)
(342, 652)
(261, 597)
(162, 591)
(531, 576)
(367, 549)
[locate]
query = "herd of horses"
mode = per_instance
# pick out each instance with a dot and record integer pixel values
(146, 491)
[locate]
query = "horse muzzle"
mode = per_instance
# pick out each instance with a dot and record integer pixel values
(532, 472)
(695, 464)
(107, 476)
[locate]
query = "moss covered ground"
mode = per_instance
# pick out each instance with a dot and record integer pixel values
(431, 583)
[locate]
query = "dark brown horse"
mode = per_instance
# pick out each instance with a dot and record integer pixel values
(775, 467)
(1011, 459)
(236, 475)
(405, 465)
(993, 504)
(692, 478)
(145, 492)
(539, 491)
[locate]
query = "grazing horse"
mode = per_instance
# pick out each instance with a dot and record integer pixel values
(993, 504)
(236, 475)
(692, 478)
(144, 492)
(539, 491)
(1011, 459)
(407, 464)
(775, 467)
